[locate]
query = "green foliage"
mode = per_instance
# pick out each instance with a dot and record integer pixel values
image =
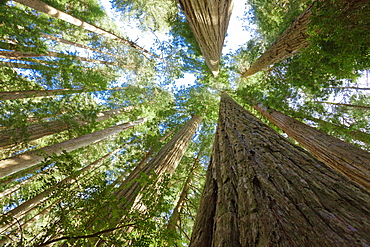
(153, 15)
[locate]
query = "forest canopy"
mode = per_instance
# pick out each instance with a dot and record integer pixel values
(101, 145)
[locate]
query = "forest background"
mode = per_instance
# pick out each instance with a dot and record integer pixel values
(87, 113)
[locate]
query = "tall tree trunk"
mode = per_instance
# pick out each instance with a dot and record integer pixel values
(20, 55)
(32, 158)
(164, 162)
(39, 130)
(25, 207)
(209, 21)
(47, 9)
(174, 221)
(64, 41)
(143, 161)
(293, 39)
(262, 190)
(330, 150)
(362, 107)
(42, 93)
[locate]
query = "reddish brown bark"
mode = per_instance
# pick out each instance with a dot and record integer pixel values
(262, 190)
(209, 21)
(293, 39)
(351, 161)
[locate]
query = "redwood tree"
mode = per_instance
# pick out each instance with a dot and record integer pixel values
(351, 161)
(262, 190)
(286, 45)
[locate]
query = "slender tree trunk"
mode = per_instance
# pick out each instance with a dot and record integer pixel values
(174, 221)
(42, 93)
(64, 41)
(47, 9)
(262, 190)
(293, 39)
(25, 207)
(32, 158)
(362, 107)
(330, 150)
(209, 21)
(39, 130)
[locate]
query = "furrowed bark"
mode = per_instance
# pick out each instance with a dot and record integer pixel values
(262, 190)
(293, 39)
(351, 161)
(209, 21)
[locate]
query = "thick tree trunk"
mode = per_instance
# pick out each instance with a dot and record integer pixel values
(164, 162)
(262, 190)
(362, 107)
(209, 19)
(39, 130)
(64, 41)
(18, 212)
(293, 39)
(143, 161)
(32, 158)
(42, 93)
(47, 9)
(330, 150)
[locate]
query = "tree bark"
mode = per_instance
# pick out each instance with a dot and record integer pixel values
(32, 158)
(36, 131)
(174, 221)
(164, 162)
(293, 39)
(42, 93)
(209, 21)
(262, 190)
(328, 149)
(47, 9)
